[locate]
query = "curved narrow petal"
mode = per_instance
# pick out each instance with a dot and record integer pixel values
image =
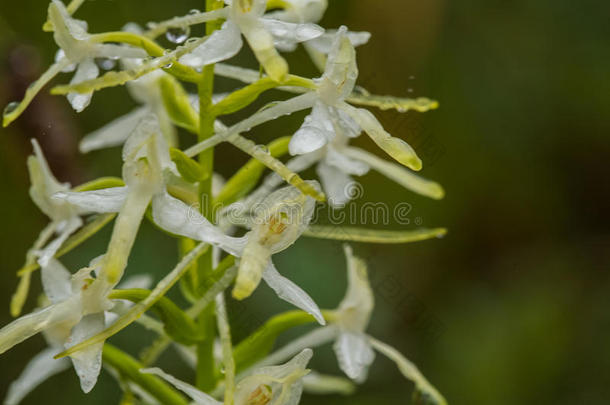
(43, 183)
(69, 227)
(354, 354)
(345, 163)
(341, 68)
(201, 398)
(28, 325)
(105, 200)
(410, 371)
(178, 218)
(119, 51)
(336, 183)
(292, 293)
(113, 134)
(322, 384)
(87, 362)
(87, 70)
(56, 281)
(395, 147)
(40, 368)
(222, 45)
(399, 174)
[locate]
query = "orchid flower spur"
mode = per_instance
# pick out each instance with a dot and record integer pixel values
(243, 17)
(273, 385)
(77, 52)
(225, 232)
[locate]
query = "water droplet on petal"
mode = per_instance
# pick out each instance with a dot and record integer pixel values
(59, 55)
(308, 31)
(10, 107)
(105, 63)
(177, 35)
(169, 65)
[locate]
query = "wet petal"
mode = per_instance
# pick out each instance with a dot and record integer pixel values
(56, 281)
(199, 397)
(87, 362)
(336, 183)
(69, 227)
(39, 369)
(86, 70)
(292, 293)
(399, 174)
(354, 354)
(44, 184)
(178, 218)
(105, 200)
(113, 134)
(262, 44)
(286, 35)
(395, 147)
(341, 68)
(345, 163)
(222, 45)
(22, 328)
(317, 130)
(324, 42)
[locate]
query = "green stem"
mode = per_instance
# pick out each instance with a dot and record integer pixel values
(205, 378)
(129, 368)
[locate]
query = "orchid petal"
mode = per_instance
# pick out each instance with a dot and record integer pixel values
(221, 45)
(292, 293)
(40, 368)
(286, 35)
(317, 130)
(336, 183)
(201, 398)
(105, 200)
(354, 354)
(56, 281)
(87, 70)
(113, 134)
(69, 227)
(87, 362)
(341, 161)
(178, 218)
(395, 147)
(324, 43)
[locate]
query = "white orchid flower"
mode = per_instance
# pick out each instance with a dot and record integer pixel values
(330, 111)
(76, 313)
(273, 385)
(352, 345)
(77, 52)
(278, 222)
(247, 18)
(60, 286)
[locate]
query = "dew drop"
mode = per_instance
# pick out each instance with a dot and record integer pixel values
(105, 63)
(194, 11)
(59, 55)
(169, 65)
(177, 35)
(10, 107)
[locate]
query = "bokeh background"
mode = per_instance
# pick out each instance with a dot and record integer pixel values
(512, 307)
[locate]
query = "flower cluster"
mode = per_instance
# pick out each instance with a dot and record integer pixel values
(177, 190)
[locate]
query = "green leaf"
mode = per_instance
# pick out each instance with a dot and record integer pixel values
(176, 323)
(129, 368)
(259, 344)
(188, 168)
(99, 184)
(247, 95)
(177, 104)
(247, 177)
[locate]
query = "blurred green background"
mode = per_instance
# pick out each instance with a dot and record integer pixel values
(512, 307)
